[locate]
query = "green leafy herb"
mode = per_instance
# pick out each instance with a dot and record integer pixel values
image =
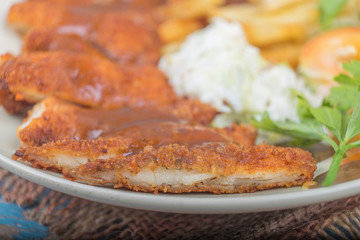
(329, 9)
(339, 114)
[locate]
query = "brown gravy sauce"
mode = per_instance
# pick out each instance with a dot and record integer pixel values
(143, 124)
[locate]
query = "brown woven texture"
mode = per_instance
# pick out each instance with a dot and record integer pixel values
(74, 218)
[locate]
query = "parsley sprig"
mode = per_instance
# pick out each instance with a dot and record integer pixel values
(329, 10)
(339, 114)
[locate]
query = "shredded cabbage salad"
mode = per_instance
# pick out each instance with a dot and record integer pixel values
(218, 66)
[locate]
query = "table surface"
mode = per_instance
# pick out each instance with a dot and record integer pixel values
(14, 224)
(45, 213)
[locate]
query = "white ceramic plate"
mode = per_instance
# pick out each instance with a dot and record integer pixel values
(181, 203)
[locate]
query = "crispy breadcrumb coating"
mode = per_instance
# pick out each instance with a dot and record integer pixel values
(208, 167)
(92, 82)
(148, 150)
(106, 115)
(54, 119)
(122, 34)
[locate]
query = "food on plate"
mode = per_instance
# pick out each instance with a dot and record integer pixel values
(290, 22)
(208, 167)
(180, 18)
(146, 150)
(273, 25)
(174, 30)
(218, 66)
(92, 82)
(269, 25)
(322, 56)
(55, 119)
(265, 27)
(286, 53)
(130, 3)
(46, 39)
(83, 79)
(336, 121)
(188, 9)
(27, 15)
(122, 34)
(103, 113)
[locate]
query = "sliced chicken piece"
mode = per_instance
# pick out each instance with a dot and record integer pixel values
(210, 166)
(83, 79)
(145, 149)
(43, 40)
(112, 3)
(122, 34)
(54, 119)
(92, 82)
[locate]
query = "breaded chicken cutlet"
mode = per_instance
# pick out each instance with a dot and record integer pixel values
(54, 119)
(90, 81)
(128, 3)
(148, 150)
(43, 40)
(51, 39)
(120, 33)
(103, 122)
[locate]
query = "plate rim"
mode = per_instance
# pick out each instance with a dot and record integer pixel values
(181, 203)
(172, 203)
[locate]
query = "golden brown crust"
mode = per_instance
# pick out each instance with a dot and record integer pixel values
(54, 119)
(13, 104)
(193, 109)
(57, 122)
(83, 79)
(244, 134)
(123, 35)
(9, 102)
(124, 154)
(92, 81)
(127, 41)
(223, 160)
(205, 187)
(114, 3)
(220, 159)
(26, 15)
(93, 149)
(51, 40)
(78, 69)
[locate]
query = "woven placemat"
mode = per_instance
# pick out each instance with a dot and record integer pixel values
(74, 218)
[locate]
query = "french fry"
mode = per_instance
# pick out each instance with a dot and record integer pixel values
(262, 35)
(171, 47)
(263, 28)
(176, 29)
(282, 53)
(306, 13)
(189, 8)
(273, 7)
(236, 12)
(301, 14)
(279, 28)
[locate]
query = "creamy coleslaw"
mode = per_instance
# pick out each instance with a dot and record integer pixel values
(218, 66)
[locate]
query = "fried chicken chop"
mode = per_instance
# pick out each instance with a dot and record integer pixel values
(149, 150)
(128, 3)
(55, 119)
(42, 40)
(217, 167)
(129, 128)
(90, 81)
(122, 34)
